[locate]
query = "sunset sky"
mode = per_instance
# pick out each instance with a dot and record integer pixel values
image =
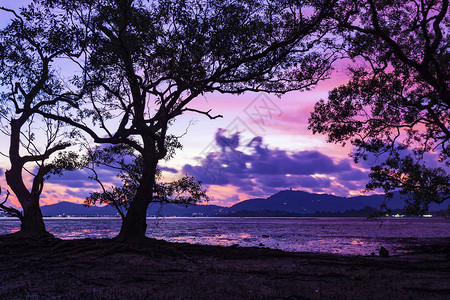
(260, 146)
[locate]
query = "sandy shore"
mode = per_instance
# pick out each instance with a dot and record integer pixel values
(101, 269)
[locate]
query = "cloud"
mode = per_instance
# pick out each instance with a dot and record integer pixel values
(78, 193)
(74, 179)
(80, 178)
(167, 169)
(353, 175)
(257, 170)
(431, 160)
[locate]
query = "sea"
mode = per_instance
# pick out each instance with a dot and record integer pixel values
(343, 235)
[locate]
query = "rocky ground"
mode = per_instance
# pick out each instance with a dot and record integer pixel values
(102, 269)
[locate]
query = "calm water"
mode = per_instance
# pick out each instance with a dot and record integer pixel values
(334, 235)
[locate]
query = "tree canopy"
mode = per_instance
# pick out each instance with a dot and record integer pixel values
(396, 105)
(185, 190)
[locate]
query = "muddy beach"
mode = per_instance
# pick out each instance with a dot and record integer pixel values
(103, 269)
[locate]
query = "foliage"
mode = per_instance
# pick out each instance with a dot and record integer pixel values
(185, 190)
(395, 107)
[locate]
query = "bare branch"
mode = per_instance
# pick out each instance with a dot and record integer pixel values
(46, 154)
(206, 113)
(9, 209)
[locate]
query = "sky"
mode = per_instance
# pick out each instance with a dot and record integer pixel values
(262, 145)
(259, 147)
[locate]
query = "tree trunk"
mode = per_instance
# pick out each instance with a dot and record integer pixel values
(33, 223)
(134, 224)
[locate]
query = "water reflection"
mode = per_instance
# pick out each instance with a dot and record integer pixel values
(357, 242)
(333, 235)
(13, 229)
(76, 228)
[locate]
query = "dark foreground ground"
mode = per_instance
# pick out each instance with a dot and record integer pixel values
(101, 269)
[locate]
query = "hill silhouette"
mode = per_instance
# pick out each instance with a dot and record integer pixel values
(283, 203)
(308, 203)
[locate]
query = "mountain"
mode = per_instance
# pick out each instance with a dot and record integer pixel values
(69, 208)
(282, 203)
(306, 203)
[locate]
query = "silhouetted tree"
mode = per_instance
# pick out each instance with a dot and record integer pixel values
(29, 45)
(147, 61)
(185, 190)
(396, 104)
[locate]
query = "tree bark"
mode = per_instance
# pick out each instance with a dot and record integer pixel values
(33, 223)
(134, 224)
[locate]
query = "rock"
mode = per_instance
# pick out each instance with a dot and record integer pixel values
(383, 252)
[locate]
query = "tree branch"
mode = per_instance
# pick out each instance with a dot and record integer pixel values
(10, 210)
(47, 153)
(206, 113)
